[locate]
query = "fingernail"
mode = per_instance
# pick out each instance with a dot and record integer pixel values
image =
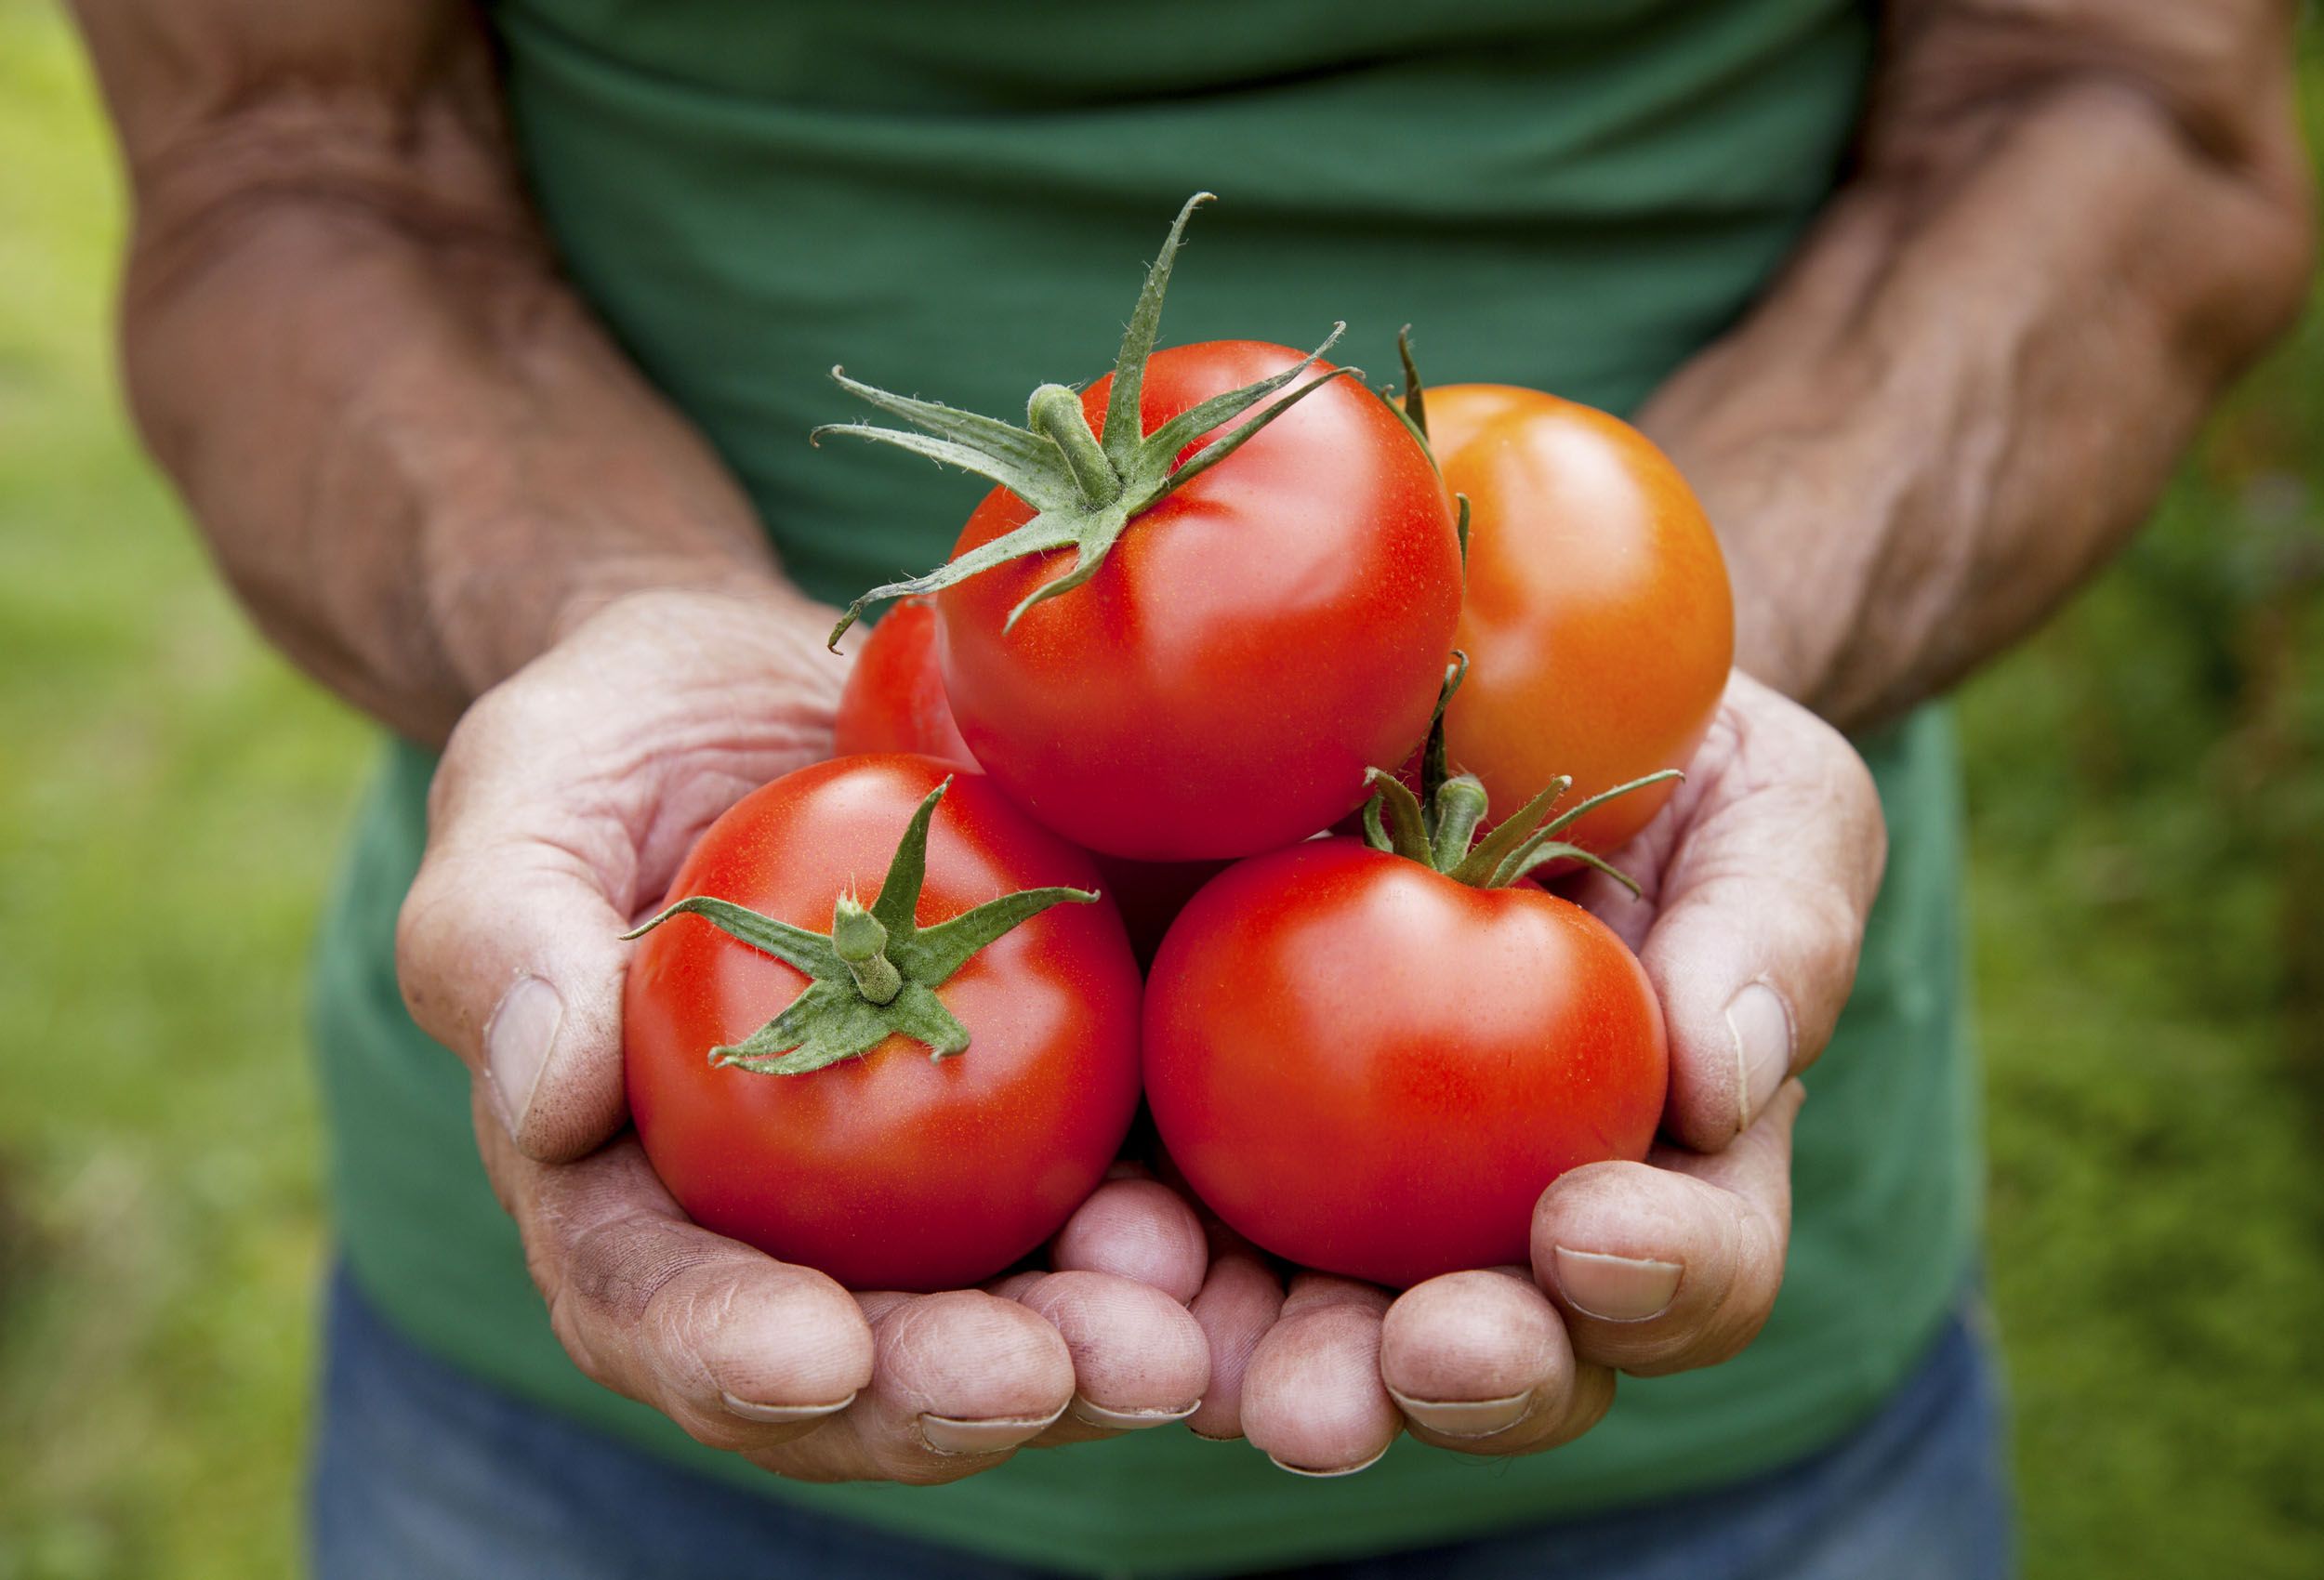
(947, 1434)
(779, 1414)
(1615, 1289)
(1465, 1418)
(1761, 1025)
(1127, 1420)
(1328, 1475)
(517, 1040)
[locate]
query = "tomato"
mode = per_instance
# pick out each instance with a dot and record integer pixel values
(1253, 643)
(894, 701)
(1373, 1070)
(1170, 647)
(890, 1169)
(1597, 619)
(894, 697)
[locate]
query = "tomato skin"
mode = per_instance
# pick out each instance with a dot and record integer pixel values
(894, 701)
(1597, 618)
(891, 1171)
(894, 697)
(1251, 645)
(1373, 1070)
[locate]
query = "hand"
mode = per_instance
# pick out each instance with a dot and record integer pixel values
(564, 802)
(1758, 878)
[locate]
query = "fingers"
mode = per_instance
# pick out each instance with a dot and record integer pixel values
(1312, 1398)
(1124, 1267)
(775, 1363)
(564, 801)
(959, 1382)
(1761, 909)
(1135, 1229)
(1674, 1263)
(1138, 1357)
(507, 946)
(1480, 1362)
(745, 1352)
(1238, 1304)
(1148, 1231)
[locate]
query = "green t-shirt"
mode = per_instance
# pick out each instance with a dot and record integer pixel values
(958, 199)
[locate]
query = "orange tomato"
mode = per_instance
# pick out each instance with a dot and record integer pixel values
(1597, 618)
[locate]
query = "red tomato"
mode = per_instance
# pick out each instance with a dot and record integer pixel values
(1151, 894)
(1374, 1070)
(894, 697)
(1253, 643)
(894, 701)
(891, 1170)
(1597, 618)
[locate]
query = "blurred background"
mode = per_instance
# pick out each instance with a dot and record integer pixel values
(2148, 801)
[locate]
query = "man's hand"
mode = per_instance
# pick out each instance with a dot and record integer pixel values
(565, 801)
(1758, 878)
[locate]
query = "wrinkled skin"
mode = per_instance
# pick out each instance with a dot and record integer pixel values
(891, 1170)
(561, 811)
(1758, 874)
(1597, 618)
(1760, 869)
(1372, 1070)
(1252, 644)
(559, 816)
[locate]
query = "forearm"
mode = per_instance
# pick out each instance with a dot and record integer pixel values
(411, 449)
(1967, 391)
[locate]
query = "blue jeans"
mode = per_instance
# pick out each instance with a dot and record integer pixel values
(422, 1472)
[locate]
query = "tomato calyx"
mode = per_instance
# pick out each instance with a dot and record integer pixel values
(875, 973)
(1438, 827)
(1411, 409)
(1085, 487)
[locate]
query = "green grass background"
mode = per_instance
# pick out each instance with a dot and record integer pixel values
(2147, 794)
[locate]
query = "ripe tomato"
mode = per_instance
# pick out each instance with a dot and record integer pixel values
(894, 701)
(1374, 1070)
(891, 1169)
(1252, 644)
(1184, 626)
(1597, 618)
(894, 697)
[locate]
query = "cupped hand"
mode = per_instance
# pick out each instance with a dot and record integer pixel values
(562, 805)
(1758, 878)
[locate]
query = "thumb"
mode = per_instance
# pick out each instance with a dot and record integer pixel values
(509, 948)
(1762, 912)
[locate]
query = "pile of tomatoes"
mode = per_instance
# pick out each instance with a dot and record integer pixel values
(1180, 781)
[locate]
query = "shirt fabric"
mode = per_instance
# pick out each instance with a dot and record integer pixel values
(958, 200)
(422, 1471)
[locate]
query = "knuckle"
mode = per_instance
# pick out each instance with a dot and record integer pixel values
(574, 1335)
(419, 927)
(617, 1268)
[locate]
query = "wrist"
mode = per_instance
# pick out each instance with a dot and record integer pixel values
(492, 622)
(756, 637)
(684, 594)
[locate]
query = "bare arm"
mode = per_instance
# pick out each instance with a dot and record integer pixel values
(411, 449)
(436, 484)
(2071, 225)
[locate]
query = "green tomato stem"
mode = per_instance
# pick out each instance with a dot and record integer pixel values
(861, 943)
(1459, 807)
(875, 975)
(1055, 413)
